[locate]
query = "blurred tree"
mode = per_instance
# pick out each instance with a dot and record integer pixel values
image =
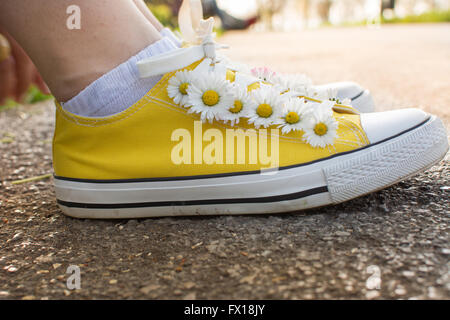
(323, 9)
(267, 9)
(306, 4)
(387, 4)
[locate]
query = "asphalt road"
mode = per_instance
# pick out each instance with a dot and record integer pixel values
(393, 244)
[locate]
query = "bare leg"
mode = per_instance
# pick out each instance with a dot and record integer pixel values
(69, 60)
(148, 14)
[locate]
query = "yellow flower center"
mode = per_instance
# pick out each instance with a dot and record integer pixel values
(237, 107)
(210, 98)
(264, 110)
(292, 117)
(321, 129)
(183, 88)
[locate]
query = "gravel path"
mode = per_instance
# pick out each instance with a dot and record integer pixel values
(399, 235)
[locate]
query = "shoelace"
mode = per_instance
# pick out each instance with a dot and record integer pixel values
(198, 43)
(197, 31)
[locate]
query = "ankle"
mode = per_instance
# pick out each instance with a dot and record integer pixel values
(114, 90)
(73, 69)
(69, 85)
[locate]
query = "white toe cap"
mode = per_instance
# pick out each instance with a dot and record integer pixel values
(383, 125)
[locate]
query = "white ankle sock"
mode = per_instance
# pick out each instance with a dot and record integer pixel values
(166, 32)
(120, 88)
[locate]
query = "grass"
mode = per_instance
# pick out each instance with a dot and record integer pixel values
(34, 95)
(427, 17)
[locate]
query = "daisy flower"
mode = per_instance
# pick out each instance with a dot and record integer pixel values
(233, 65)
(295, 115)
(294, 82)
(240, 106)
(264, 74)
(328, 94)
(346, 102)
(209, 95)
(299, 93)
(267, 108)
(321, 129)
(178, 87)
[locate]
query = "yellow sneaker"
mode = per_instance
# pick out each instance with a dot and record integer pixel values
(207, 140)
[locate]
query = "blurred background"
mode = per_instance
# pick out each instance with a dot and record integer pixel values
(246, 24)
(289, 15)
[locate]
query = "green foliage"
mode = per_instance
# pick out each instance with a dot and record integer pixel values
(34, 95)
(427, 17)
(8, 104)
(164, 14)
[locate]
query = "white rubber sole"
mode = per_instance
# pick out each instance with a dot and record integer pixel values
(328, 181)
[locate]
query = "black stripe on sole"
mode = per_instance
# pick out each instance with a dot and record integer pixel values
(279, 198)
